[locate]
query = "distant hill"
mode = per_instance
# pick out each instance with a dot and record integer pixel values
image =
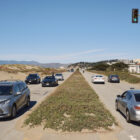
(46, 65)
(91, 64)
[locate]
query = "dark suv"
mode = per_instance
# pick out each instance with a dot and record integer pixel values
(33, 79)
(13, 96)
(113, 79)
(49, 81)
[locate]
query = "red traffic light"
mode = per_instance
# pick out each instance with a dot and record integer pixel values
(135, 14)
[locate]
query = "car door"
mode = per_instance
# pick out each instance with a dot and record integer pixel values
(125, 101)
(24, 93)
(121, 99)
(21, 87)
(18, 97)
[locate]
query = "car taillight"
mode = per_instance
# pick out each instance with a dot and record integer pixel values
(137, 107)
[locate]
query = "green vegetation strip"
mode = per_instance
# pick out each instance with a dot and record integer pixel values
(123, 75)
(72, 107)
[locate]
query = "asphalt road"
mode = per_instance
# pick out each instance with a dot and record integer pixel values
(38, 93)
(107, 94)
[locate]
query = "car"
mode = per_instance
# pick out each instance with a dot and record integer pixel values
(129, 104)
(14, 95)
(97, 79)
(72, 70)
(33, 79)
(113, 79)
(59, 76)
(49, 81)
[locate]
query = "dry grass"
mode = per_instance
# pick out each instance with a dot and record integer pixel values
(15, 68)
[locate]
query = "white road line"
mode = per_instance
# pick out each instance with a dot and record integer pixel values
(132, 137)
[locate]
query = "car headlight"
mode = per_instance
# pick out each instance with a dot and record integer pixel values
(4, 102)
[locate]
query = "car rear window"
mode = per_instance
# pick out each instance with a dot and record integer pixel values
(137, 97)
(6, 89)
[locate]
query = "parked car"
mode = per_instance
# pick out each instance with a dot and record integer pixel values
(13, 96)
(113, 79)
(129, 104)
(33, 79)
(97, 79)
(49, 81)
(59, 76)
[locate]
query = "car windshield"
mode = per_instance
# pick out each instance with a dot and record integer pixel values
(99, 76)
(58, 74)
(49, 77)
(137, 97)
(114, 76)
(32, 76)
(5, 90)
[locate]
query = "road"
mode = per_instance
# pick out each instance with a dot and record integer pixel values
(38, 93)
(107, 94)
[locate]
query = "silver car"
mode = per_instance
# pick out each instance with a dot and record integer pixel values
(129, 104)
(59, 76)
(13, 96)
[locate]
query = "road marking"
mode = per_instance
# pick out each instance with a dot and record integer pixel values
(132, 137)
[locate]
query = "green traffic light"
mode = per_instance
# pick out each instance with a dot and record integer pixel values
(135, 19)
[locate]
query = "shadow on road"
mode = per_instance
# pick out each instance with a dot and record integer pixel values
(132, 122)
(25, 109)
(21, 111)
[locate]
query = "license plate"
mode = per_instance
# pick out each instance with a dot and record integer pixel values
(114, 78)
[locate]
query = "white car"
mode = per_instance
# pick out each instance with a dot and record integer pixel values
(98, 79)
(59, 76)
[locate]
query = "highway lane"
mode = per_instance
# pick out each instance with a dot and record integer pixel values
(38, 93)
(107, 93)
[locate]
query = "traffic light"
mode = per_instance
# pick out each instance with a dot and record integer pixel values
(135, 14)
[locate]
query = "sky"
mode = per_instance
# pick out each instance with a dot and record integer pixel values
(68, 31)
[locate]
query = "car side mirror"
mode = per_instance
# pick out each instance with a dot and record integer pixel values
(118, 96)
(18, 93)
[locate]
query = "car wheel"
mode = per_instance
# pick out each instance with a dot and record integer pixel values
(116, 106)
(128, 116)
(28, 102)
(13, 112)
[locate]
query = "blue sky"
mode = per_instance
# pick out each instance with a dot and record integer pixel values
(68, 30)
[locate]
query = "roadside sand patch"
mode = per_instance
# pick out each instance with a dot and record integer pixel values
(11, 76)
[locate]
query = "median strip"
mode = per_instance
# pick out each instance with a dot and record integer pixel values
(74, 106)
